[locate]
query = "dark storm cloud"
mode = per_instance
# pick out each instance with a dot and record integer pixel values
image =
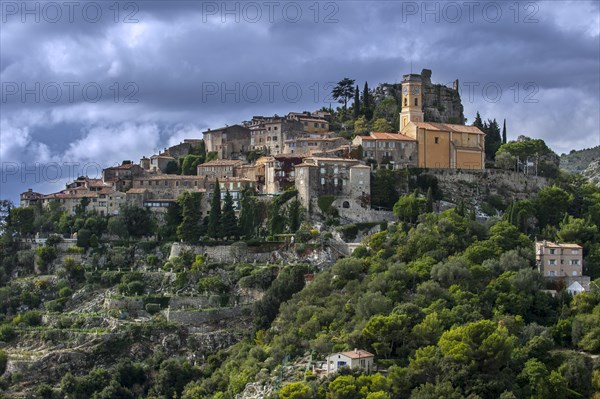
(189, 65)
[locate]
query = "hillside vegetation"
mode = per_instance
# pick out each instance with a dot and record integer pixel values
(451, 307)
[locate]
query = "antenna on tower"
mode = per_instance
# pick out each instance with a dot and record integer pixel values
(411, 67)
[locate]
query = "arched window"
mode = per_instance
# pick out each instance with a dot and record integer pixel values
(346, 205)
(405, 101)
(416, 101)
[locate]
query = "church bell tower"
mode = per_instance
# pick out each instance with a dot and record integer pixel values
(412, 100)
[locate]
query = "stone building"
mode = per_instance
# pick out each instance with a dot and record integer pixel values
(280, 172)
(348, 180)
(30, 198)
(312, 145)
(440, 145)
(559, 260)
(160, 191)
(121, 176)
(219, 169)
(158, 162)
(393, 148)
(311, 122)
(229, 142)
(269, 133)
(101, 197)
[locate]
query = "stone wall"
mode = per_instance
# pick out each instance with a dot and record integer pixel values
(470, 184)
(188, 302)
(227, 253)
(194, 318)
(132, 304)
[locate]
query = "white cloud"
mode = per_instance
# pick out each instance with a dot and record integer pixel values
(17, 145)
(108, 145)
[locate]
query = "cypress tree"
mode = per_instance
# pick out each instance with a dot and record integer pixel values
(249, 213)
(429, 203)
(504, 132)
(228, 219)
(356, 103)
(215, 212)
(366, 102)
(189, 229)
(478, 122)
(293, 219)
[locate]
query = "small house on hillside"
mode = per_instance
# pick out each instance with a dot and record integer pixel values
(357, 358)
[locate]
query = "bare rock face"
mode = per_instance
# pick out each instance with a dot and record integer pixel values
(441, 103)
(592, 173)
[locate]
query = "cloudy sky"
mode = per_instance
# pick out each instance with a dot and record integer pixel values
(88, 84)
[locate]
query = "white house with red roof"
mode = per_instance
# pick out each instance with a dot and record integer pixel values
(358, 358)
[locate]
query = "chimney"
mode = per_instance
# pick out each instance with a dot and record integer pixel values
(355, 350)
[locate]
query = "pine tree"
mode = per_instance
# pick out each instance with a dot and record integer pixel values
(429, 203)
(504, 132)
(356, 103)
(228, 220)
(215, 212)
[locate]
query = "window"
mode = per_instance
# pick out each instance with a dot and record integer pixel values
(574, 262)
(552, 262)
(552, 273)
(574, 273)
(416, 101)
(437, 140)
(346, 205)
(322, 181)
(405, 101)
(552, 251)
(575, 251)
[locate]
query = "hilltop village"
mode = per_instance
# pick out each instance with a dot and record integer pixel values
(384, 255)
(275, 153)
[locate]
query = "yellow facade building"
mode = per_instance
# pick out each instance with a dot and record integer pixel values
(440, 145)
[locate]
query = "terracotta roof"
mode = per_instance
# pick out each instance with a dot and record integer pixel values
(447, 127)
(136, 191)
(122, 167)
(221, 162)
(333, 159)
(356, 354)
(169, 177)
(387, 136)
(555, 245)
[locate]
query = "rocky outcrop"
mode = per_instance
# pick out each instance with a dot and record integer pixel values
(441, 103)
(592, 173)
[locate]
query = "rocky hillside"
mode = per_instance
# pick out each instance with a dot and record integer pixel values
(592, 172)
(578, 161)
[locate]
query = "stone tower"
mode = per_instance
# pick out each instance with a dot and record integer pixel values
(412, 100)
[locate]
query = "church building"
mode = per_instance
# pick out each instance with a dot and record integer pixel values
(439, 145)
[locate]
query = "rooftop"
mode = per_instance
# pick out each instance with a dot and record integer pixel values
(357, 354)
(448, 127)
(386, 136)
(221, 162)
